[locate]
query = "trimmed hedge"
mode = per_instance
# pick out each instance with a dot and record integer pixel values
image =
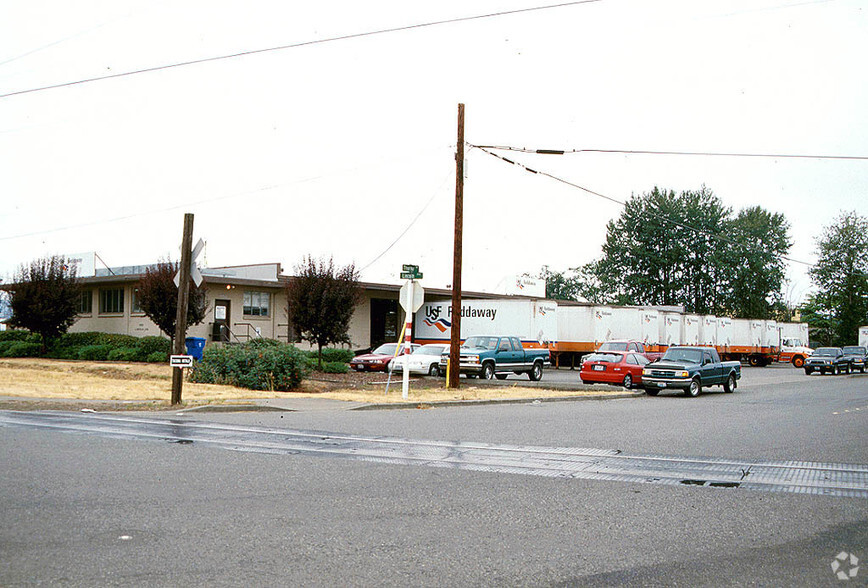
(258, 365)
(19, 335)
(94, 352)
(126, 354)
(20, 349)
(335, 367)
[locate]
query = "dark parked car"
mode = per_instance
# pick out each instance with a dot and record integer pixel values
(858, 357)
(827, 359)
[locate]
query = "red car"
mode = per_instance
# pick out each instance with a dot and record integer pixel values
(613, 367)
(378, 359)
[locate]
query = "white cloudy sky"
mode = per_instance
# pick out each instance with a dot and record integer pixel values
(335, 148)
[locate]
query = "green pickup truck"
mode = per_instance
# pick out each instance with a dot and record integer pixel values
(497, 357)
(689, 369)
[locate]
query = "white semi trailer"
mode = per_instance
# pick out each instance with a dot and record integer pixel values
(570, 330)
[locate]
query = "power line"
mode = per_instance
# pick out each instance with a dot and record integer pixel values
(689, 153)
(301, 44)
(623, 203)
(412, 222)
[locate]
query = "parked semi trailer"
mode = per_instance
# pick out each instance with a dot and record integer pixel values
(570, 330)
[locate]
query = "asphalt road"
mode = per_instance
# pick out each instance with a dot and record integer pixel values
(89, 510)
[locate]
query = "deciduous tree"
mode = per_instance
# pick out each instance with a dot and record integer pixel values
(44, 297)
(688, 250)
(158, 298)
(841, 277)
(320, 302)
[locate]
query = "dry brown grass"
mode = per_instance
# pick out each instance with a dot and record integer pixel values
(86, 380)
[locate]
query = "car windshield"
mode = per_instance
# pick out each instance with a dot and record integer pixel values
(481, 343)
(605, 357)
(613, 346)
(827, 351)
(691, 355)
(430, 350)
(386, 349)
(854, 350)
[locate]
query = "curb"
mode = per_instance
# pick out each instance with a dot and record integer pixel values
(449, 403)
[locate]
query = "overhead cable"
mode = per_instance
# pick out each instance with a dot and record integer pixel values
(301, 44)
(689, 153)
(623, 203)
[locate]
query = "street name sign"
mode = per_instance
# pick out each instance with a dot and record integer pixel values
(181, 361)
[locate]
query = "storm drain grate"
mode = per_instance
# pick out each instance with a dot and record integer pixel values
(829, 479)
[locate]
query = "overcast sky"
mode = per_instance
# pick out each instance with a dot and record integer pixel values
(339, 148)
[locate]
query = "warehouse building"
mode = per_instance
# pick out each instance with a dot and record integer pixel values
(244, 302)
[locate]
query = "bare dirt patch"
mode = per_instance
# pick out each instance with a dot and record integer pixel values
(53, 384)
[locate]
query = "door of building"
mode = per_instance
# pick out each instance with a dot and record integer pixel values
(222, 315)
(384, 321)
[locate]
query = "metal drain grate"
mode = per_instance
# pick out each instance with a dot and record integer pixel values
(830, 479)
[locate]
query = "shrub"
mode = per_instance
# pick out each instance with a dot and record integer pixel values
(94, 352)
(150, 345)
(22, 349)
(18, 335)
(115, 340)
(125, 354)
(333, 355)
(335, 367)
(258, 365)
(157, 357)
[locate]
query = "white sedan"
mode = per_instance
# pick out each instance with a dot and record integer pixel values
(424, 360)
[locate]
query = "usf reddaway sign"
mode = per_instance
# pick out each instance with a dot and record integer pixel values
(531, 320)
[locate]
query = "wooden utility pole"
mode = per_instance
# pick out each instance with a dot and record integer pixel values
(183, 302)
(455, 341)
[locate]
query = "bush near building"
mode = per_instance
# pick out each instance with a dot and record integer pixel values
(262, 364)
(91, 346)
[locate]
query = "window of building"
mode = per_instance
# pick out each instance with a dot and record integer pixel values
(256, 303)
(135, 303)
(85, 302)
(111, 301)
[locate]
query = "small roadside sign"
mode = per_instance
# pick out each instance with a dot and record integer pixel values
(181, 361)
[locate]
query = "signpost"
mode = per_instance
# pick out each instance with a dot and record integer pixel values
(412, 297)
(184, 275)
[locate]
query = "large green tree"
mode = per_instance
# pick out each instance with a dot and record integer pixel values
(45, 297)
(662, 250)
(754, 266)
(689, 250)
(841, 277)
(320, 302)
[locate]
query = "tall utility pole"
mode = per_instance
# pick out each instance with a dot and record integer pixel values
(183, 303)
(455, 341)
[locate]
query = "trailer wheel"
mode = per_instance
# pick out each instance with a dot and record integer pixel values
(798, 361)
(754, 360)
